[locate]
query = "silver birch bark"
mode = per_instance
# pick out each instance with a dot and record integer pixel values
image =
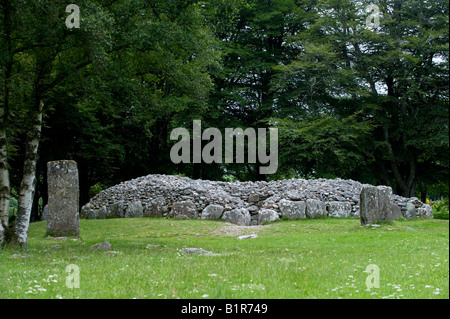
(27, 186)
(4, 174)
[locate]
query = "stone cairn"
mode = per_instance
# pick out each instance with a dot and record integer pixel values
(63, 198)
(243, 203)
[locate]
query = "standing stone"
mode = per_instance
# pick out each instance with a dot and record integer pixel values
(292, 210)
(63, 198)
(339, 209)
(375, 204)
(212, 212)
(315, 208)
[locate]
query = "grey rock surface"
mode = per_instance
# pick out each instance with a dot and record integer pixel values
(212, 212)
(158, 194)
(238, 216)
(63, 198)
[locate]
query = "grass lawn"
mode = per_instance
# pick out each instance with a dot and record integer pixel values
(312, 258)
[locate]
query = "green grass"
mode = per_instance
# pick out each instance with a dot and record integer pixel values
(324, 258)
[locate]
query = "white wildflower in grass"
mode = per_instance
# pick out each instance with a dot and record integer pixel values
(205, 296)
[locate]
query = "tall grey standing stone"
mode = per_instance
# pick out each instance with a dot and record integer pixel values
(63, 198)
(375, 204)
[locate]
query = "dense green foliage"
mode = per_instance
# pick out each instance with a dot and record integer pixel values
(349, 102)
(441, 209)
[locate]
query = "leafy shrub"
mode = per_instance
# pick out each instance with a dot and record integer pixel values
(95, 189)
(440, 209)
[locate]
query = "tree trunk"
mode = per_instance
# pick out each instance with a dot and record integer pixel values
(27, 186)
(4, 105)
(4, 173)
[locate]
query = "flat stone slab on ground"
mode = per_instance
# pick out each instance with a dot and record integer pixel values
(196, 251)
(248, 236)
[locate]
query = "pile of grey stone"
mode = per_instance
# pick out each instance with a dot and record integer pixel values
(241, 203)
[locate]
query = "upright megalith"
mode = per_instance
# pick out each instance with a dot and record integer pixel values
(63, 198)
(375, 204)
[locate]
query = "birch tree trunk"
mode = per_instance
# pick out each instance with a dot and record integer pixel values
(4, 173)
(28, 184)
(6, 69)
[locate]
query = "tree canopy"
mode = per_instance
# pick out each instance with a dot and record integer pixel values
(349, 101)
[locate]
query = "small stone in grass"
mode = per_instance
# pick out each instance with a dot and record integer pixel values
(103, 246)
(248, 236)
(196, 251)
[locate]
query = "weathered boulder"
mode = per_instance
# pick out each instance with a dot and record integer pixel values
(102, 212)
(267, 215)
(116, 210)
(425, 211)
(294, 195)
(184, 210)
(156, 208)
(212, 212)
(87, 212)
(134, 210)
(375, 204)
(396, 211)
(339, 209)
(253, 198)
(292, 209)
(238, 216)
(315, 208)
(63, 198)
(410, 212)
(84, 211)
